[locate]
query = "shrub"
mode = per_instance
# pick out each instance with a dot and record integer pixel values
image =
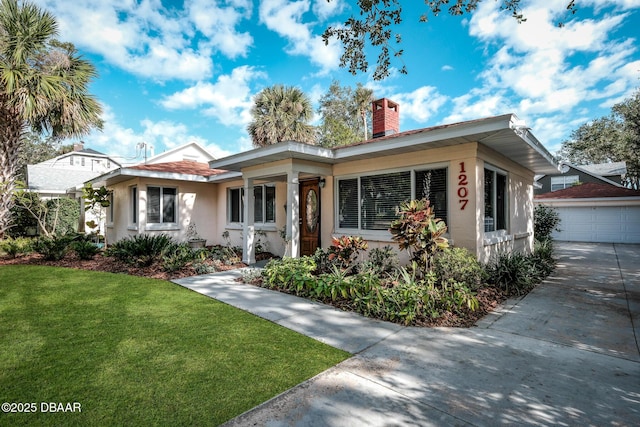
(53, 248)
(513, 273)
(141, 250)
(420, 232)
(344, 250)
(16, 246)
(176, 256)
(85, 249)
(543, 258)
(545, 221)
(290, 274)
(458, 264)
(381, 261)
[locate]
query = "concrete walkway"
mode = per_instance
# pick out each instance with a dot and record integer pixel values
(566, 354)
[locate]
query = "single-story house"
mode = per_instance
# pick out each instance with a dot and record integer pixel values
(595, 212)
(292, 198)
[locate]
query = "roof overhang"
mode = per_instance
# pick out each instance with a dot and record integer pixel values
(125, 174)
(505, 134)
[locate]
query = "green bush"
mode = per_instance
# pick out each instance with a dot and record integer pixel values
(85, 249)
(16, 246)
(381, 261)
(290, 274)
(53, 248)
(513, 273)
(543, 258)
(545, 221)
(459, 265)
(176, 256)
(140, 250)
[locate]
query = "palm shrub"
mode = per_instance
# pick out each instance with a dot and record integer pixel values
(16, 246)
(543, 258)
(85, 249)
(460, 265)
(141, 250)
(420, 232)
(546, 220)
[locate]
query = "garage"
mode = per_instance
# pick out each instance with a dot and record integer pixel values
(596, 213)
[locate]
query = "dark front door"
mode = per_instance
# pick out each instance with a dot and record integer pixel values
(309, 217)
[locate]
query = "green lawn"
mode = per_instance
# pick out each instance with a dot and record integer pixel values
(136, 351)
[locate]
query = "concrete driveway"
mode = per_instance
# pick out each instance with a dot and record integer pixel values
(566, 354)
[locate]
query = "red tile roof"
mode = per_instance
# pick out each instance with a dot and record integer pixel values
(184, 166)
(590, 190)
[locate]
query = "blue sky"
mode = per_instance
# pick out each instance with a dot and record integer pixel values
(172, 72)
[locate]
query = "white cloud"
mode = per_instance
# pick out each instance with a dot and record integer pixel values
(149, 40)
(420, 104)
(285, 18)
(324, 9)
(229, 99)
(447, 68)
(121, 142)
(539, 69)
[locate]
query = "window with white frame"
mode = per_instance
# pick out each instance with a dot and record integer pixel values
(370, 202)
(495, 200)
(264, 199)
(562, 182)
(133, 195)
(161, 205)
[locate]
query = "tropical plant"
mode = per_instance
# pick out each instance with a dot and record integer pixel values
(290, 274)
(141, 250)
(176, 256)
(85, 249)
(43, 87)
(344, 250)
(546, 220)
(281, 113)
(513, 273)
(419, 231)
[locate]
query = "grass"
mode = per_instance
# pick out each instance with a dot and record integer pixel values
(137, 351)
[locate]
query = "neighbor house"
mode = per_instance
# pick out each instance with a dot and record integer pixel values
(65, 175)
(569, 175)
(292, 198)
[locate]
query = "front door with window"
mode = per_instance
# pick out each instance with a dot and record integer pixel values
(309, 217)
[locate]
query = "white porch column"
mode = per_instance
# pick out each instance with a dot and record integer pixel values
(248, 239)
(293, 213)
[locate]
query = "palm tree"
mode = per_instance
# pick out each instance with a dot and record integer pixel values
(281, 113)
(363, 98)
(43, 88)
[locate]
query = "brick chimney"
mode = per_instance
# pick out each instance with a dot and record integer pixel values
(79, 146)
(386, 118)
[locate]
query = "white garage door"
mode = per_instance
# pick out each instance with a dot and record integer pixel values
(609, 224)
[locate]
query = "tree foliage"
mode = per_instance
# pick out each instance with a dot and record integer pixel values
(43, 87)
(375, 28)
(345, 115)
(281, 113)
(613, 138)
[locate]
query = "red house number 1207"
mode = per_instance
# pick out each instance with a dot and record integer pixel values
(463, 190)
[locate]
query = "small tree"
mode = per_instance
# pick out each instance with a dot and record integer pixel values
(420, 232)
(545, 221)
(97, 199)
(53, 217)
